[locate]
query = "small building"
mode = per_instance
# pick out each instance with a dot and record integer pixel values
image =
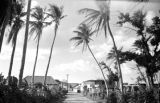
(76, 88)
(50, 82)
(89, 84)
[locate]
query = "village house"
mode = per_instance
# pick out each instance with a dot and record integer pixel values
(89, 84)
(76, 88)
(50, 82)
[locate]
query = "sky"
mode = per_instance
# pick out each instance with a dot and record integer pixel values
(68, 59)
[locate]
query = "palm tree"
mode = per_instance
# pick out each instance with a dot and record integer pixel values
(100, 19)
(83, 37)
(6, 15)
(25, 44)
(37, 26)
(17, 25)
(56, 13)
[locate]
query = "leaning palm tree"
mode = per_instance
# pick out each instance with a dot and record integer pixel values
(100, 20)
(83, 37)
(25, 44)
(37, 26)
(7, 12)
(17, 25)
(56, 13)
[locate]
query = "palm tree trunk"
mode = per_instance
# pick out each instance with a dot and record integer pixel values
(50, 56)
(11, 61)
(141, 74)
(25, 44)
(152, 81)
(34, 68)
(99, 68)
(117, 57)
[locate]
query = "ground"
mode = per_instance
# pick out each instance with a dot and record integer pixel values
(73, 97)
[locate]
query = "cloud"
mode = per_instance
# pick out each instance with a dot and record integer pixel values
(102, 50)
(121, 39)
(30, 55)
(34, 3)
(75, 66)
(74, 49)
(5, 53)
(149, 17)
(79, 70)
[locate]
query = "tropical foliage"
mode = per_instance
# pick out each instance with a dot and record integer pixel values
(84, 34)
(143, 54)
(37, 26)
(56, 14)
(16, 25)
(7, 9)
(25, 44)
(12, 94)
(100, 20)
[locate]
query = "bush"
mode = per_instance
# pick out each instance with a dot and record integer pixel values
(144, 96)
(12, 94)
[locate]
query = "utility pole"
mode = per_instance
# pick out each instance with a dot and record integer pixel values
(67, 82)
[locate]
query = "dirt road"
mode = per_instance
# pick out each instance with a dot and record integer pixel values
(73, 97)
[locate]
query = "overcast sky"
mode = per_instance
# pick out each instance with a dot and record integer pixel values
(67, 59)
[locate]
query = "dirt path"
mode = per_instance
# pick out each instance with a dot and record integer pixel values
(73, 97)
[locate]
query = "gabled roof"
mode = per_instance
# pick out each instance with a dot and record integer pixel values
(49, 79)
(73, 84)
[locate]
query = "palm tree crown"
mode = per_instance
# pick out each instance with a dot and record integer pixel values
(17, 23)
(39, 23)
(56, 13)
(83, 35)
(98, 18)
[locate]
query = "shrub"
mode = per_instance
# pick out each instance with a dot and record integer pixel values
(12, 94)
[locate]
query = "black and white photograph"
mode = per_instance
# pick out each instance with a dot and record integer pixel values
(79, 51)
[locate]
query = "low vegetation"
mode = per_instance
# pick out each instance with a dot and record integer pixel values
(13, 94)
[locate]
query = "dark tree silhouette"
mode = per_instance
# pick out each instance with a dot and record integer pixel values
(147, 53)
(16, 25)
(7, 13)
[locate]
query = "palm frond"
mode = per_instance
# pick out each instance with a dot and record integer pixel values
(55, 11)
(83, 36)
(97, 18)
(75, 38)
(39, 22)
(78, 43)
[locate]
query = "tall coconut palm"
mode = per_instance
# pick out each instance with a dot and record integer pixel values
(6, 15)
(56, 13)
(25, 44)
(100, 20)
(37, 26)
(83, 37)
(17, 24)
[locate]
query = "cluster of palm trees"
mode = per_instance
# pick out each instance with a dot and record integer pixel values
(15, 21)
(99, 20)
(96, 20)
